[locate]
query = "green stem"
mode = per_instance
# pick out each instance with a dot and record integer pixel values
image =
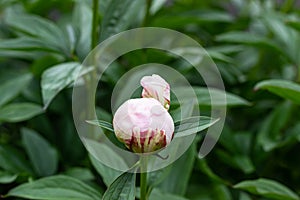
(95, 29)
(146, 18)
(143, 180)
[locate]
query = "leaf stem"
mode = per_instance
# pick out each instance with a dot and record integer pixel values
(143, 177)
(95, 29)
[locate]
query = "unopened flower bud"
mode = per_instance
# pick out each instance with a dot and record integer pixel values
(156, 87)
(143, 125)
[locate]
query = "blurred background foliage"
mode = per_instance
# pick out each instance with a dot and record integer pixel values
(255, 44)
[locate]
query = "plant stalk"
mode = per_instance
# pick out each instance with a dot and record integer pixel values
(95, 29)
(143, 178)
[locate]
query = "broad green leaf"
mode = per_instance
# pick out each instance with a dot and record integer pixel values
(179, 173)
(237, 148)
(249, 39)
(17, 112)
(38, 27)
(42, 155)
(13, 87)
(26, 45)
(269, 135)
(123, 188)
(284, 35)
(11, 160)
(206, 95)
(156, 194)
(58, 187)
(83, 174)
(283, 88)
(82, 17)
(192, 125)
(119, 15)
(108, 174)
(267, 188)
(57, 78)
(6, 177)
(179, 20)
(107, 155)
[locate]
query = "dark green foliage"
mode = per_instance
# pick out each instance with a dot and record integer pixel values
(256, 47)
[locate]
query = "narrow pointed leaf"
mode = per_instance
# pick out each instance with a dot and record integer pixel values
(267, 188)
(103, 124)
(283, 88)
(192, 125)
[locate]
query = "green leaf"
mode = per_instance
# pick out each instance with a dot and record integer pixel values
(156, 194)
(180, 19)
(6, 177)
(58, 187)
(38, 27)
(26, 45)
(108, 155)
(206, 95)
(192, 125)
(123, 188)
(42, 155)
(82, 17)
(183, 128)
(269, 135)
(267, 188)
(119, 15)
(180, 172)
(11, 88)
(57, 78)
(283, 88)
(248, 38)
(103, 124)
(204, 167)
(83, 174)
(108, 174)
(17, 112)
(294, 23)
(13, 161)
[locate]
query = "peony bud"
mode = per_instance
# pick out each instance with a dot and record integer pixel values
(156, 87)
(143, 125)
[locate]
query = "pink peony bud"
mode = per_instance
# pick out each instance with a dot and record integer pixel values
(143, 125)
(156, 87)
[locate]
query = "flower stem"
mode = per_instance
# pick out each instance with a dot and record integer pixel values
(143, 176)
(95, 24)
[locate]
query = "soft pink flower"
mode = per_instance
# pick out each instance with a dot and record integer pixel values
(143, 125)
(156, 87)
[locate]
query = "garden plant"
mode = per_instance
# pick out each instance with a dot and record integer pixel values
(150, 99)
